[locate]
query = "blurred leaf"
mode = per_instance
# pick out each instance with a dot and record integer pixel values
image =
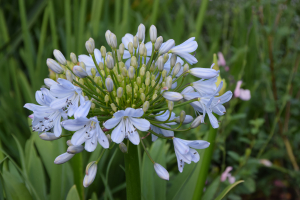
(14, 189)
(227, 189)
(211, 189)
(234, 155)
(73, 194)
(249, 185)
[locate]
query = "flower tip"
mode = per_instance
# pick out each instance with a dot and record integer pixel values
(161, 172)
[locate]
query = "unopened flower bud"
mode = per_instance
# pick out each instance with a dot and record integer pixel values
(49, 82)
(133, 62)
(166, 57)
(93, 105)
(75, 149)
(153, 33)
(147, 81)
(123, 147)
(48, 136)
(142, 71)
(176, 69)
(69, 143)
(143, 97)
(160, 63)
(113, 107)
(63, 158)
(182, 116)
(90, 174)
(197, 121)
(152, 68)
(173, 60)
(135, 42)
(141, 32)
(121, 49)
(106, 98)
(103, 51)
(78, 71)
(113, 40)
(130, 48)
(82, 65)
(158, 43)
(119, 92)
(166, 47)
(141, 49)
(172, 96)
(119, 56)
(110, 62)
(170, 105)
(124, 72)
(164, 73)
(90, 46)
(73, 58)
(186, 67)
(154, 96)
(169, 82)
(54, 66)
(93, 71)
(146, 106)
(59, 57)
(128, 89)
(107, 37)
(109, 84)
(161, 171)
(131, 72)
(138, 80)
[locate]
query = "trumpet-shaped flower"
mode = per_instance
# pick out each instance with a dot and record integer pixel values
(88, 131)
(68, 96)
(183, 50)
(125, 123)
(185, 152)
(164, 132)
(88, 61)
(44, 117)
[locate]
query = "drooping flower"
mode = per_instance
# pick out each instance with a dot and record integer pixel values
(125, 123)
(243, 94)
(185, 152)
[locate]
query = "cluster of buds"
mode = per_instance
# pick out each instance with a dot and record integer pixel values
(127, 94)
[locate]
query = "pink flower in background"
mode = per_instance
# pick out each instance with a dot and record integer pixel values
(241, 93)
(222, 61)
(226, 175)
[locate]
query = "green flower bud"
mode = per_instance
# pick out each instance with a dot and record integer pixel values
(173, 60)
(160, 63)
(121, 49)
(143, 97)
(131, 72)
(169, 82)
(133, 62)
(81, 81)
(103, 51)
(138, 80)
(146, 106)
(164, 73)
(128, 89)
(123, 147)
(148, 75)
(152, 68)
(166, 57)
(119, 56)
(197, 121)
(186, 68)
(135, 42)
(153, 83)
(142, 70)
(124, 72)
(101, 65)
(106, 98)
(82, 65)
(113, 41)
(130, 48)
(73, 58)
(109, 62)
(141, 49)
(170, 105)
(119, 92)
(109, 84)
(158, 43)
(93, 106)
(182, 116)
(176, 69)
(69, 76)
(113, 107)
(93, 71)
(147, 81)
(90, 46)
(154, 96)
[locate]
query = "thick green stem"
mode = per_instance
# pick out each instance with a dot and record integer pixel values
(78, 173)
(132, 171)
(206, 160)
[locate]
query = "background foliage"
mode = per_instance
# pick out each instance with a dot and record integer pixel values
(260, 41)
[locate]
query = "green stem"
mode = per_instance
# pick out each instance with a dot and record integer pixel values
(206, 159)
(132, 171)
(78, 173)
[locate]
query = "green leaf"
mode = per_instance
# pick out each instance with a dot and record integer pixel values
(73, 194)
(250, 185)
(14, 189)
(212, 189)
(227, 189)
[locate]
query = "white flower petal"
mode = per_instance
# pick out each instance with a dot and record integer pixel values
(83, 110)
(75, 124)
(180, 146)
(141, 124)
(111, 123)
(118, 134)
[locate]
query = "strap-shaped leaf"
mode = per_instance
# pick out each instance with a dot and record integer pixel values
(227, 189)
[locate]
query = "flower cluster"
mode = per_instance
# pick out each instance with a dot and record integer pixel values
(127, 94)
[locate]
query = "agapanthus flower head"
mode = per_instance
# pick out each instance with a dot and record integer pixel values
(115, 96)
